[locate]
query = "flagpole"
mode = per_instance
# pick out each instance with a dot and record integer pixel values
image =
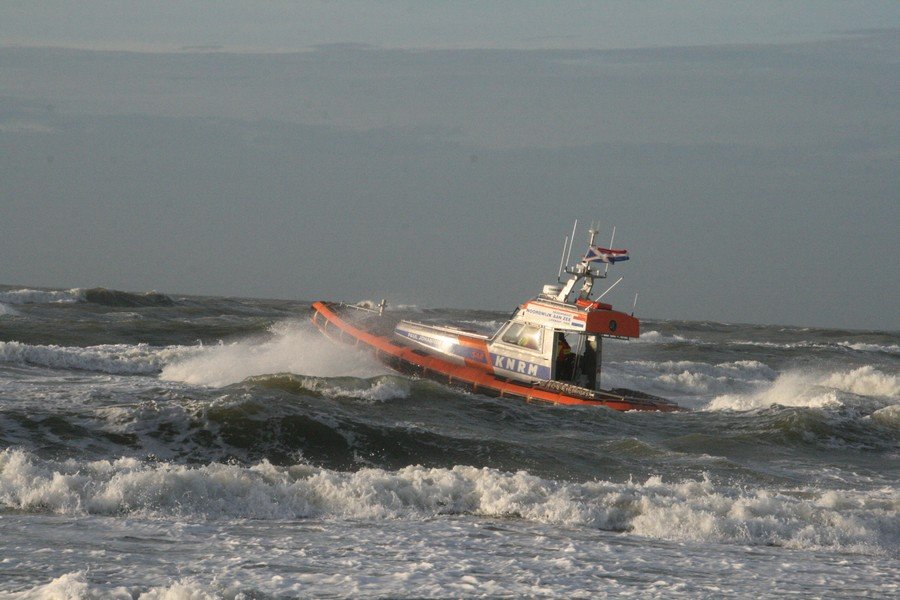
(611, 238)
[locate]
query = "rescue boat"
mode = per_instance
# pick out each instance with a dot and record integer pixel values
(550, 349)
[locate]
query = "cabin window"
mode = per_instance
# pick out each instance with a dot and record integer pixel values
(524, 336)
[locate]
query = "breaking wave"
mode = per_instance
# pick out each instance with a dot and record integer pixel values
(102, 296)
(655, 337)
(29, 296)
(692, 377)
(815, 390)
(808, 345)
(292, 347)
(375, 389)
(107, 297)
(75, 586)
(695, 510)
(117, 359)
(7, 310)
(889, 416)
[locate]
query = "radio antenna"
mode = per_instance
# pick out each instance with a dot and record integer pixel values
(562, 259)
(610, 287)
(571, 242)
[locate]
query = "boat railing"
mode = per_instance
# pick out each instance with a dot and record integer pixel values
(359, 307)
(444, 329)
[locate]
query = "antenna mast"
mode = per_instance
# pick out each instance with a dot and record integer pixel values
(583, 269)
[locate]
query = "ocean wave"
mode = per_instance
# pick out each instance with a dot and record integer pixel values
(373, 389)
(30, 296)
(691, 510)
(291, 347)
(102, 296)
(107, 297)
(809, 345)
(655, 337)
(8, 311)
(75, 586)
(691, 377)
(889, 416)
(117, 359)
(815, 390)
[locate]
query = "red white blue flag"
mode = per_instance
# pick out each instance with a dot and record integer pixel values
(605, 255)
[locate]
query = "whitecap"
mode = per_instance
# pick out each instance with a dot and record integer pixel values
(691, 377)
(693, 510)
(76, 586)
(121, 359)
(865, 381)
(379, 389)
(888, 416)
(655, 337)
(30, 296)
(814, 390)
(8, 311)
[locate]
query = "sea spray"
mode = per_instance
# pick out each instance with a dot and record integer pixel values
(290, 347)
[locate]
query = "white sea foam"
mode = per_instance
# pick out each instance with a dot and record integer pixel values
(888, 416)
(29, 296)
(865, 381)
(690, 377)
(70, 586)
(887, 348)
(291, 347)
(655, 337)
(75, 586)
(688, 510)
(122, 359)
(378, 389)
(7, 310)
(814, 390)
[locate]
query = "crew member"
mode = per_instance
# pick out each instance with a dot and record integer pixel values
(565, 360)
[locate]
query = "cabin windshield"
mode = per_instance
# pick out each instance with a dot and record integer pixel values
(522, 335)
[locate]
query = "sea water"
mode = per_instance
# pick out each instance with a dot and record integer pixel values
(184, 447)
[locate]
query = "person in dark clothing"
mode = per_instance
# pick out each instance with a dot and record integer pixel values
(565, 359)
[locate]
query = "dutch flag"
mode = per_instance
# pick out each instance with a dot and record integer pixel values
(605, 255)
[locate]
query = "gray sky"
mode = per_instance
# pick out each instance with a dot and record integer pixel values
(436, 154)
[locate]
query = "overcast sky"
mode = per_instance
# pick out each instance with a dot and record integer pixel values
(437, 153)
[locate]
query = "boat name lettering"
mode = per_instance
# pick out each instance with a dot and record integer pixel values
(514, 364)
(556, 317)
(418, 337)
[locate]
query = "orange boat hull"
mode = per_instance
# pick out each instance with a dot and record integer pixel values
(412, 361)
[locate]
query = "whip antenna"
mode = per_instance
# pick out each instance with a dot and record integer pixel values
(610, 287)
(611, 238)
(569, 256)
(562, 259)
